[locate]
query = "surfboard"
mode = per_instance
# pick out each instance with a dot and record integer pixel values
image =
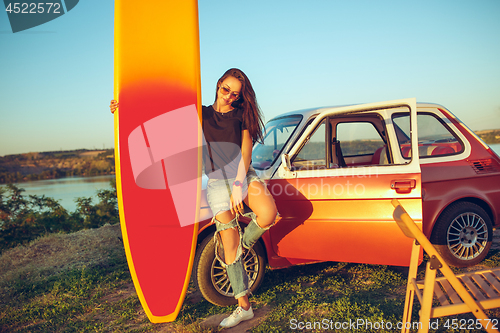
(157, 146)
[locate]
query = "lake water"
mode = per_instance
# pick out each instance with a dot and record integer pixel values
(496, 148)
(66, 190)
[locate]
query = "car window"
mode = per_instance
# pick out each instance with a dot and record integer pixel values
(313, 154)
(359, 143)
(434, 137)
(277, 133)
(354, 141)
(358, 138)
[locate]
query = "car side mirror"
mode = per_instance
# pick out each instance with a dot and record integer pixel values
(285, 159)
(286, 170)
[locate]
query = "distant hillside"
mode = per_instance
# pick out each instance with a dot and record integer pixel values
(489, 136)
(57, 164)
(84, 162)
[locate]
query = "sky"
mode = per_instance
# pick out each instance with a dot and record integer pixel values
(56, 79)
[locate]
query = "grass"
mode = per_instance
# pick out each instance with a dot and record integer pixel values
(80, 283)
(337, 292)
(67, 283)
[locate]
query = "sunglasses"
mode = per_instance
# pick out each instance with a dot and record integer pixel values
(225, 91)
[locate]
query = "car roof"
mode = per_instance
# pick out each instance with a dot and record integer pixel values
(307, 113)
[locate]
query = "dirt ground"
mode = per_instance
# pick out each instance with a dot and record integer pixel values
(495, 245)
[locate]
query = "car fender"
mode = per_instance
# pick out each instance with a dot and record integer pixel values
(432, 209)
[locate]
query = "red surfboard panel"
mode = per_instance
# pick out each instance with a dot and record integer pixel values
(157, 143)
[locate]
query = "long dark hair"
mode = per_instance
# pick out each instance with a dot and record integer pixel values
(252, 116)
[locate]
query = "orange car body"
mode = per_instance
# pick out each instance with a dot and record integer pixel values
(334, 196)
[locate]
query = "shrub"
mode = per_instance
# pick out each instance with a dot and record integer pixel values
(23, 219)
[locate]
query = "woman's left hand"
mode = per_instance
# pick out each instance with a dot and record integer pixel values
(113, 106)
(237, 200)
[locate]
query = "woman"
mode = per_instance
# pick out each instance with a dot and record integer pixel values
(231, 125)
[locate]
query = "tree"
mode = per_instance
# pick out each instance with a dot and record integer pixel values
(24, 219)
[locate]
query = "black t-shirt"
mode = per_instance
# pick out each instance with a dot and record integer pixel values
(222, 131)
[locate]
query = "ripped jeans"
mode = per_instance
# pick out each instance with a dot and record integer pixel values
(218, 197)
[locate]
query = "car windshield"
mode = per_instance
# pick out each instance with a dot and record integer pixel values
(278, 132)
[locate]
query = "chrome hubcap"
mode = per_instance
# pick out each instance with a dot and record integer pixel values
(220, 279)
(467, 236)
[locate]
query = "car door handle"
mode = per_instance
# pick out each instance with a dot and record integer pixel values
(403, 185)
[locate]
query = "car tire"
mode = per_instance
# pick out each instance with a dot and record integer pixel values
(211, 278)
(463, 234)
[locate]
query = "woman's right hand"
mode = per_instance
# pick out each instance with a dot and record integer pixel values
(113, 106)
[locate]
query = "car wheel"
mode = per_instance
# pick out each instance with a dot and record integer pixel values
(211, 278)
(463, 234)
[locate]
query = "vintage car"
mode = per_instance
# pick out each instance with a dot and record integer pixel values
(333, 172)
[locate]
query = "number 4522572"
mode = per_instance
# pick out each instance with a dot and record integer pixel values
(471, 324)
(34, 8)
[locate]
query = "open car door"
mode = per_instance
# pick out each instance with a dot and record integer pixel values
(334, 187)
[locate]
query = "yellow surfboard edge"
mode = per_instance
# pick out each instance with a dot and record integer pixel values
(153, 318)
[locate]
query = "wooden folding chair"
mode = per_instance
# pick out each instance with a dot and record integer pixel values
(470, 292)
